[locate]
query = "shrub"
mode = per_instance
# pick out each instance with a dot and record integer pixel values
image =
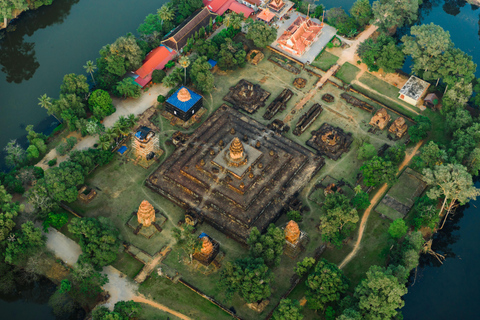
(398, 229)
(294, 215)
(52, 162)
(170, 64)
(161, 98)
(158, 75)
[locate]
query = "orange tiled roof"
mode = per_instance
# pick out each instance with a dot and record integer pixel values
(266, 15)
(300, 35)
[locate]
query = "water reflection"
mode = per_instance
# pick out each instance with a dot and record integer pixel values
(17, 56)
(452, 7)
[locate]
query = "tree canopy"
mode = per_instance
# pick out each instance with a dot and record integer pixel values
(201, 75)
(268, 246)
(361, 10)
(261, 34)
(326, 283)
(377, 170)
(100, 104)
(288, 310)
(389, 15)
(381, 53)
(338, 219)
(23, 243)
(8, 212)
(420, 130)
(98, 240)
(61, 182)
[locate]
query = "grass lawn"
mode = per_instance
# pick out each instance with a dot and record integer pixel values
(439, 132)
(324, 60)
(151, 313)
(388, 212)
(380, 85)
(347, 73)
(127, 264)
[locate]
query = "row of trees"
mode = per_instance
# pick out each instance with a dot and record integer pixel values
(350, 25)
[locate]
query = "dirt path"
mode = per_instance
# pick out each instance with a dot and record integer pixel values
(349, 54)
(142, 299)
(377, 197)
(148, 268)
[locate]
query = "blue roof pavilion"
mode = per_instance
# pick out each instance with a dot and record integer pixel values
(184, 103)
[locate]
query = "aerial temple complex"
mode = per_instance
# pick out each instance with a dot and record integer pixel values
(235, 173)
(380, 119)
(330, 141)
(247, 96)
(398, 127)
(299, 36)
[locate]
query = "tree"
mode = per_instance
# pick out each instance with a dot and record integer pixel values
(152, 25)
(261, 34)
(361, 200)
(121, 56)
(380, 294)
(420, 130)
(426, 45)
(396, 153)
(397, 229)
(303, 266)
(70, 107)
(128, 89)
(458, 118)
(361, 10)
(294, 215)
(65, 286)
(62, 305)
(23, 243)
(61, 182)
(56, 220)
(165, 13)
(187, 240)
(74, 84)
(325, 285)
(128, 309)
(201, 75)
(381, 53)
(206, 48)
(46, 102)
(350, 314)
(249, 277)
(32, 135)
(425, 213)
(184, 61)
(455, 65)
(234, 20)
(378, 170)
(366, 152)
(231, 55)
(338, 219)
(268, 246)
(32, 152)
(98, 240)
(173, 79)
(8, 6)
(158, 75)
(41, 200)
(288, 310)
(87, 283)
(389, 15)
(473, 162)
(15, 154)
(431, 155)
(345, 24)
(8, 212)
(456, 96)
(100, 103)
(451, 181)
(90, 67)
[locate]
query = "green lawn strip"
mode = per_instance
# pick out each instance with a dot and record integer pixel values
(347, 73)
(127, 264)
(388, 212)
(385, 101)
(380, 85)
(150, 313)
(439, 132)
(180, 298)
(325, 60)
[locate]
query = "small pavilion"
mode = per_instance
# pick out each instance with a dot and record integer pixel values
(184, 103)
(266, 15)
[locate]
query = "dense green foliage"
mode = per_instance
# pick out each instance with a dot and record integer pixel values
(304, 266)
(377, 171)
(123, 310)
(288, 310)
(187, 240)
(396, 153)
(326, 283)
(201, 76)
(398, 228)
(425, 213)
(366, 152)
(23, 243)
(338, 219)
(231, 55)
(361, 200)
(420, 130)
(268, 246)
(261, 34)
(98, 239)
(100, 103)
(8, 212)
(391, 14)
(381, 53)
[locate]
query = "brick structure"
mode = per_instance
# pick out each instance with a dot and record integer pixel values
(247, 96)
(208, 252)
(146, 213)
(398, 127)
(380, 119)
(330, 141)
(145, 144)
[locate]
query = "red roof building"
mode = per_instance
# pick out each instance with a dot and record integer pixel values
(155, 60)
(266, 15)
(220, 6)
(300, 36)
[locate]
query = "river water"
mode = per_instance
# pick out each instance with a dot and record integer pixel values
(58, 39)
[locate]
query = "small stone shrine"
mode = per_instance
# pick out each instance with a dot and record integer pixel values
(255, 56)
(328, 97)
(86, 194)
(146, 221)
(299, 83)
(247, 96)
(398, 127)
(233, 174)
(380, 119)
(209, 250)
(145, 145)
(294, 240)
(330, 141)
(331, 189)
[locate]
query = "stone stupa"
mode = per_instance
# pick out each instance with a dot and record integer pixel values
(146, 214)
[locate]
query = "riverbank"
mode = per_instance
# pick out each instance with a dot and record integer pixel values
(32, 5)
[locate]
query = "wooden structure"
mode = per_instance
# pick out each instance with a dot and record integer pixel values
(380, 119)
(234, 199)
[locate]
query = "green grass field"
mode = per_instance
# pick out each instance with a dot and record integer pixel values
(380, 85)
(324, 60)
(347, 73)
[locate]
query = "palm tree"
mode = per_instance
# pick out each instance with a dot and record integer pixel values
(46, 102)
(184, 62)
(165, 13)
(90, 68)
(233, 20)
(131, 120)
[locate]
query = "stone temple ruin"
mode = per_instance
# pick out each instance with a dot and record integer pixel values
(398, 127)
(247, 96)
(307, 119)
(146, 221)
(380, 119)
(209, 250)
(235, 173)
(145, 145)
(330, 141)
(295, 240)
(299, 83)
(279, 104)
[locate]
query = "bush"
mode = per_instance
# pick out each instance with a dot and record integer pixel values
(161, 98)
(398, 229)
(52, 162)
(62, 149)
(170, 64)
(294, 215)
(158, 75)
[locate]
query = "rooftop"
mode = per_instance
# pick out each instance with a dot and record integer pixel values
(414, 88)
(182, 101)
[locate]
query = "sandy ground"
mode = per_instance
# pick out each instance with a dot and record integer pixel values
(141, 299)
(118, 287)
(377, 197)
(63, 247)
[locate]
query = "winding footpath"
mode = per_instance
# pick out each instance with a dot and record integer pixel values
(376, 198)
